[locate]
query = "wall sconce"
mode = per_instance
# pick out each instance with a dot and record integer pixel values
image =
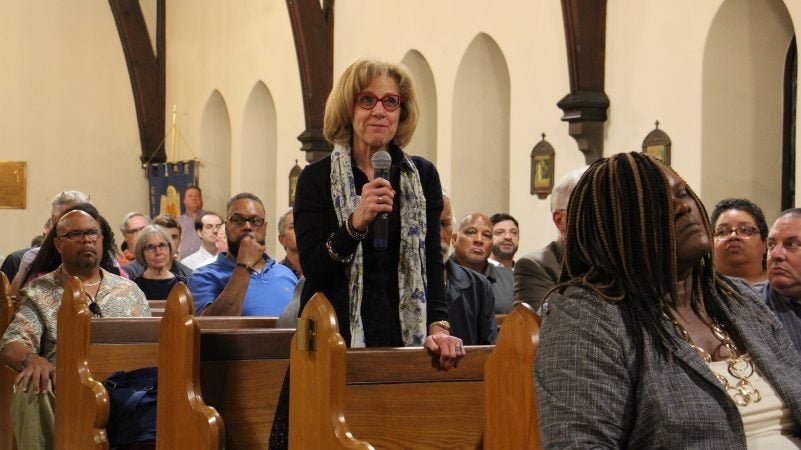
(294, 173)
(657, 144)
(543, 168)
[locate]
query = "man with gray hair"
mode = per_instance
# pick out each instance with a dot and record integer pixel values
(537, 272)
(132, 223)
(60, 203)
(782, 291)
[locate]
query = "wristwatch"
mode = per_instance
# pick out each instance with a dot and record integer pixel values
(441, 323)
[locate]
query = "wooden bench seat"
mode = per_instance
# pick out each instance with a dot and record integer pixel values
(398, 398)
(235, 354)
(7, 375)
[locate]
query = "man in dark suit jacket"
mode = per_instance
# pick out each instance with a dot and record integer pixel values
(471, 303)
(537, 272)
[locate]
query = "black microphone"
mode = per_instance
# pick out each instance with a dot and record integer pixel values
(381, 163)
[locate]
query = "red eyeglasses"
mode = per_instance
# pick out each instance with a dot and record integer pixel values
(366, 100)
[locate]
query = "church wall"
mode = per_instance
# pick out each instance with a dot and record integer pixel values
(67, 111)
(69, 106)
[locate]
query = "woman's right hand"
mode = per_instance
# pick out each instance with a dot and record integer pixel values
(377, 197)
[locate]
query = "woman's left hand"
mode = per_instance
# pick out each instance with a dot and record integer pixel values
(449, 348)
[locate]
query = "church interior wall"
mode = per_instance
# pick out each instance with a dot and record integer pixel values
(69, 106)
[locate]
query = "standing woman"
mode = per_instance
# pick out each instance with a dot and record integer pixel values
(648, 346)
(154, 249)
(383, 298)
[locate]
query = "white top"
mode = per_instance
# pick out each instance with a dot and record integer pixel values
(197, 259)
(768, 423)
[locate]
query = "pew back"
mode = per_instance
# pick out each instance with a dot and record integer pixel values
(242, 361)
(7, 375)
(510, 406)
(389, 397)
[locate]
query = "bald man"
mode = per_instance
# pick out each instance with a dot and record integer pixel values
(472, 246)
(29, 343)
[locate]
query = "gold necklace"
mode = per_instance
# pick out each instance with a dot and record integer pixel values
(740, 366)
(85, 284)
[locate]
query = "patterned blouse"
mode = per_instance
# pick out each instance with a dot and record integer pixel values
(35, 321)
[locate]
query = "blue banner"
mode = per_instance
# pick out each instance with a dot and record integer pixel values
(168, 181)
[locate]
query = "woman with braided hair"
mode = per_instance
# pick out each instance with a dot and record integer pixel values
(644, 345)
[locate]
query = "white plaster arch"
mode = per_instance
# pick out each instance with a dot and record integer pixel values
(424, 141)
(480, 129)
(743, 75)
(259, 155)
(215, 153)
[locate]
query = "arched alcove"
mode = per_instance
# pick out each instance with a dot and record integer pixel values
(481, 108)
(424, 142)
(743, 74)
(259, 156)
(215, 153)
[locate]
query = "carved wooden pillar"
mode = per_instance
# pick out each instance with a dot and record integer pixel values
(313, 30)
(586, 104)
(147, 72)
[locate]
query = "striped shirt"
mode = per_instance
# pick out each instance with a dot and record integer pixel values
(787, 310)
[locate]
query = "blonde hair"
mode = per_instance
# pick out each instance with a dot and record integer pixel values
(338, 121)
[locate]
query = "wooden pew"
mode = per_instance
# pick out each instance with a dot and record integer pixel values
(396, 398)
(179, 357)
(241, 372)
(81, 399)
(157, 304)
(391, 398)
(235, 370)
(7, 375)
(510, 405)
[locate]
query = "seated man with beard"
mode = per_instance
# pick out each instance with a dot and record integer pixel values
(245, 281)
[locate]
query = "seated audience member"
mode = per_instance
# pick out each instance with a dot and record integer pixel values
(245, 281)
(537, 272)
(10, 265)
(740, 232)
(29, 343)
(154, 250)
(190, 242)
(133, 222)
(173, 228)
(645, 345)
(61, 202)
(782, 291)
(505, 240)
(471, 304)
(48, 259)
(207, 225)
(471, 248)
(286, 236)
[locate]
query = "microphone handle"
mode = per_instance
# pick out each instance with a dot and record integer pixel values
(381, 223)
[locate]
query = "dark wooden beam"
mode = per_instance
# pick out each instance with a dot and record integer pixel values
(313, 30)
(147, 72)
(586, 104)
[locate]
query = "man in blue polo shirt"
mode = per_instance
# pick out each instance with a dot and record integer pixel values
(245, 281)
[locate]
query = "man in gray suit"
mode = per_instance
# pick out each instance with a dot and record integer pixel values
(536, 272)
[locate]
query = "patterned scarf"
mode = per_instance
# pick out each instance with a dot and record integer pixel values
(411, 266)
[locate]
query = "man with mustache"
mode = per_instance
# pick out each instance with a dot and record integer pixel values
(782, 291)
(29, 343)
(472, 244)
(245, 281)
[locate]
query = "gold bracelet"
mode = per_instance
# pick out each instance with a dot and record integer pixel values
(352, 231)
(333, 254)
(441, 323)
